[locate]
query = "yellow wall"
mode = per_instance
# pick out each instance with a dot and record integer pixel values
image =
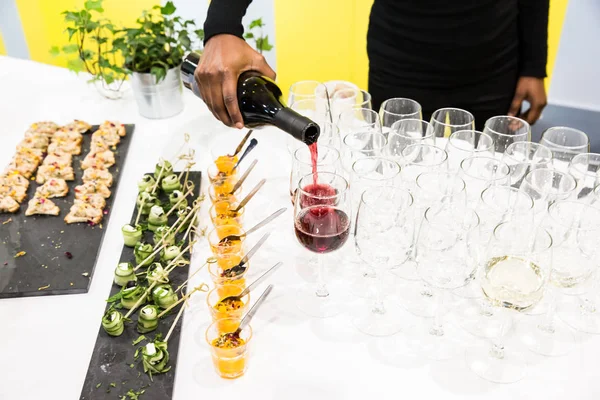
(44, 25)
(2, 48)
(326, 39)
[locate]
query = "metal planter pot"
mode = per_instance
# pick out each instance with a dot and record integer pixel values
(158, 100)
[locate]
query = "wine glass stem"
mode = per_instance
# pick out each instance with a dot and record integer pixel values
(497, 350)
(321, 287)
(378, 307)
(547, 325)
(437, 328)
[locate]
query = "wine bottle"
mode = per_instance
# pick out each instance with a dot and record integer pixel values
(260, 101)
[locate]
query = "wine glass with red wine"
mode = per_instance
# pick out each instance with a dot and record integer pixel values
(322, 213)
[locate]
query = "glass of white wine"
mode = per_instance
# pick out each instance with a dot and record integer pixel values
(513, 275)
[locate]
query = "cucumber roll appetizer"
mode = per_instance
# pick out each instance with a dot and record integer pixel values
(170, 253)
(130, 294)
(166, 170)
(124, 274)
(164, 296)
(146, 201)
(113, 322)
(177, 196)
(155, 358)
(170, 183)
(142, 251)
(131, 234)
(156, 218)
(156, 273)
(148, 318)
(146, 183)
(159, 236)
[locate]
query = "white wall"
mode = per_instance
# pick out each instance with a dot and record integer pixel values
(576, 76)
(196, 9)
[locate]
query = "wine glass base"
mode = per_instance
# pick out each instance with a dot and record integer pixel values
(376, 324)
(407, 271)
(555, 343)
(481, 321)
(418, 299)
(472, 290)
(573, 314)
(511, 368)
(436, 346)
(364, 284)
(316, 306)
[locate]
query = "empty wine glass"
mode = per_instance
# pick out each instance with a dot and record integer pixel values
(446, 121)
(506, 130)
(465, 144)
(302, 90)
(418, 158)
(565, 143)
(480, 172)
(328, 160)
(545, 186)
(359, 145)
(522, 157)
(367, 173)
(346, 99)
(513, 275)
(447, 259)
(396, 109)
(576, 228)
(384, 237)
(358, 120)
(322, 214)
(585, 168)
(406, 132)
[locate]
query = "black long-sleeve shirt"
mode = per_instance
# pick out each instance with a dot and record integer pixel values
(437, 43)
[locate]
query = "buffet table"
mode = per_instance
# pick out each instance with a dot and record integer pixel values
(47, 341)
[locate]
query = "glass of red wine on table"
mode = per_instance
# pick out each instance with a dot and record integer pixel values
(322, 214)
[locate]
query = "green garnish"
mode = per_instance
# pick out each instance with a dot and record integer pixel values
(137, 341)
(159, 236)
(131, 235)
(155, 358)
(112, 322)
(170, 253)
(124, 273)
(142, 251)
(130, 294)
(170, 183)
(113, 384)
(148, 319)
(167, 170)
(175, 197)
(156, 273)
(98, 385)
(164, 296)
(146, 183)
(157, 218)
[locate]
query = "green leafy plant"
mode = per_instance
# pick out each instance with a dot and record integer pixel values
(90, 46)
(159, 41)
(254, 32)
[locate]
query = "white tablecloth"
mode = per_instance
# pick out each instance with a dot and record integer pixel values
(46, 342)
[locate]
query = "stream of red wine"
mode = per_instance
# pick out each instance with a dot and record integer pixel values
(314, 156)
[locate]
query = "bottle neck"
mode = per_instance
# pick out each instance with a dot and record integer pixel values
(297, 125)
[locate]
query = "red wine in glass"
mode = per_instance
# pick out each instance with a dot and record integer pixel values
(322, 228)
(314, 157)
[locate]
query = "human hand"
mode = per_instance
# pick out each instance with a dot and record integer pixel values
(223, 60)
(533, 90)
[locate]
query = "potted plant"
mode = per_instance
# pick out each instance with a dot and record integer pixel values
(90, 48)
(153, 52)
(254, 32)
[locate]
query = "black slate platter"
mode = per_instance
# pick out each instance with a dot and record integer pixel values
(60, 258)
(113, 359)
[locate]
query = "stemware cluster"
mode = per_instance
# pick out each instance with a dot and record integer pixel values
(477, 227)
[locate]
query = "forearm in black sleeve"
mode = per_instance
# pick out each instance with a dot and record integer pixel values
(225, 16)
(533, 37)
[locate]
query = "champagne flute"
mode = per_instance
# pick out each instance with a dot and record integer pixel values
(506, 130)
(406, 132)
(565, 143)
(468, 143)
(522, 157)
(513, 275)
(446, 121)
(448, 258)
(384, 214)
(585, 168)
(397, 109)
(322, 214)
